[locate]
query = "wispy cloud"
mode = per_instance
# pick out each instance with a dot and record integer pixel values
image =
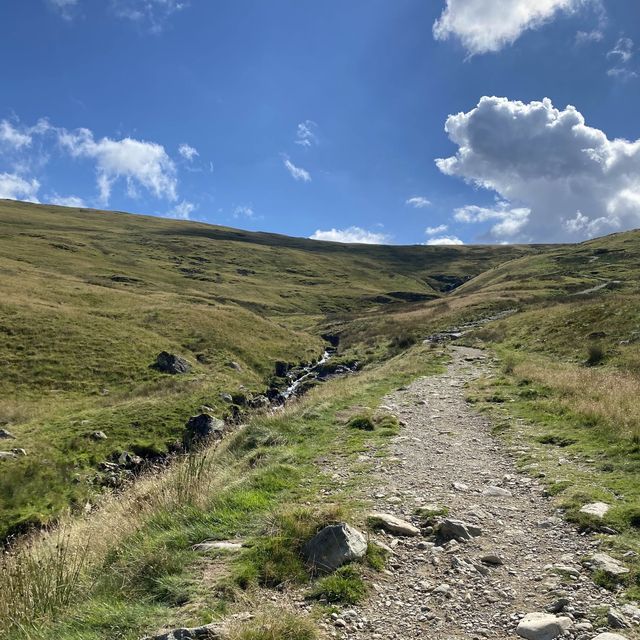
(182, 211)
(351, 235)
(432, 231)
(244, 211)
(306, 134)
(66, 201)
(297, 173)
(621, 56)
(15, 187)
(188, 152)
(151, 14)
(418, 202)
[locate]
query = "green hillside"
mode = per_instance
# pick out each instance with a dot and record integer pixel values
(89, 298)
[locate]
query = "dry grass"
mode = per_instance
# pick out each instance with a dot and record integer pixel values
(601, 395)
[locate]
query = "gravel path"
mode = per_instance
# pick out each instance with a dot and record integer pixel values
(447, 456)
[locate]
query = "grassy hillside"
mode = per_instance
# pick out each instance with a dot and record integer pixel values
(89, 298)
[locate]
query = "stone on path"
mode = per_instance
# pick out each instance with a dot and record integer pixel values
(392, 524)
(334, 546)
(616, 619)
(217, 545)
(542, 626)
(609, 636)
(450, 529)
(609, 565)
(497, 492)
(206, 632)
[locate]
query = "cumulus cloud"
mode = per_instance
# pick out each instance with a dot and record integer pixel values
(297, 173)
(547, 166)
(484, 26)
(351, 235)
(139, 163)
(67, 201)
(305, 134)
(443, 241)
(12, 137)
(15, 187)
(418, 202)
(182, 211)
(511, 220)
(432, 231)
(188, 152)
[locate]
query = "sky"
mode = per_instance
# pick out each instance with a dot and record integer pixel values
(378, 121)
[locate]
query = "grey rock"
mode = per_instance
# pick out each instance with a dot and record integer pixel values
(616, 619)
(171, 363)
(334, 546)
(19, 452)
(6, 435)
(392, 524)
(206, 632)
(98, 435)
(234, 365)
(497, 492)
(226, 397)
(129, 460)
(558, 605)
(7, 455)
(450, 529)
(492, 558)
(542, 626)
(609, 565)
(609, 636)
(201, 429)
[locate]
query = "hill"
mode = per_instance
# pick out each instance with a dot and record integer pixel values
(89, 298)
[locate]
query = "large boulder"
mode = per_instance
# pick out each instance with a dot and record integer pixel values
(392, 524)
(171, 363)
(542, 626)
(201, 429)
(334, 546)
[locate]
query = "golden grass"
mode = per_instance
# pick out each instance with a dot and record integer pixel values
(604, 394)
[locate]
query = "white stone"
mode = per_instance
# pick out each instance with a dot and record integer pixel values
(392, 524)
(596, 509)
(542, 626)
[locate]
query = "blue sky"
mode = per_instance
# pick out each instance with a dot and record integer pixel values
(327, 119)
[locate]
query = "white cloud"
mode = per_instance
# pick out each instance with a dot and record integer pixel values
(511, 219)
(305, 134)
(139, 163)
(432, 231)
(418, 202)
(13, 138)
(297, 173)
(352, 235)
(548, 162)
(14, 187)
(244, 211)
(182, 211)
(150, 13)
(621, 56)
(484, 26)
(188, 152)
(67, 201)
(586, 37)
(64, 7)
(444, 240)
